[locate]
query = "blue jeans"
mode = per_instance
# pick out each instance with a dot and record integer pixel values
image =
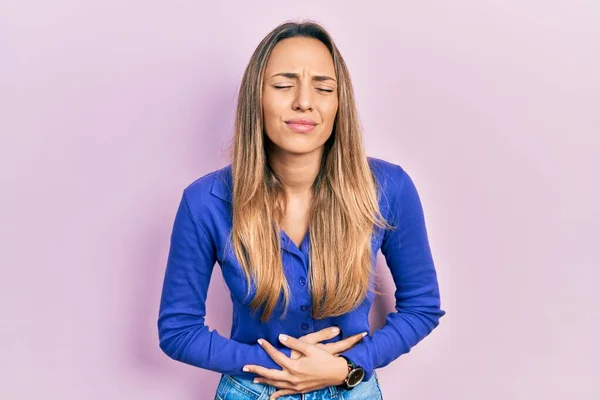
(237, 388)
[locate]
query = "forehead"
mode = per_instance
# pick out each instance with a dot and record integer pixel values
(300, 53)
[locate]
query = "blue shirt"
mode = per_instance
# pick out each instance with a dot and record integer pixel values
(198, 241)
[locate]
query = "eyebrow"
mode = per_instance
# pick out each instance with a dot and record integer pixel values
(293, 75)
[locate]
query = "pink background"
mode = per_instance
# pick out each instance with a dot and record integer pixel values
(110, 108)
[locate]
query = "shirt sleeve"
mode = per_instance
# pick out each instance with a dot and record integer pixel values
(407, 253)
(183, 335)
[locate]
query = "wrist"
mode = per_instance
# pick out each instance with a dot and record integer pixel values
(355, 374)
(342, 370)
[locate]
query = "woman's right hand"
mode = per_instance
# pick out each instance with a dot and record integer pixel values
(333, 348)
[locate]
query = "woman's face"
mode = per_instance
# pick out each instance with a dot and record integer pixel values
(300, 98)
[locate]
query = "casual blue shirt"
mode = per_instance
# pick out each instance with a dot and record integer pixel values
(198, 241)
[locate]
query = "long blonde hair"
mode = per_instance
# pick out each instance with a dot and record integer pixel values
(344, 207)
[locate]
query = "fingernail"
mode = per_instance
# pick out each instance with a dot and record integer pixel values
(282, 337)
(335, 330)
(260, 341)
(245, 369)
(255, 380)
(365, 334)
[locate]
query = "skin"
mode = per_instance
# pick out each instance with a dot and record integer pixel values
(318, 365)
(295, 157)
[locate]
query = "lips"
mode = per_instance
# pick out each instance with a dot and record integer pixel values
(301, 121)
(301, 125)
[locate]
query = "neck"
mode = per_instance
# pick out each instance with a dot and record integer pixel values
(296, 171)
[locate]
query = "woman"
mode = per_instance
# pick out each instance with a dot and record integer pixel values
(295, 223)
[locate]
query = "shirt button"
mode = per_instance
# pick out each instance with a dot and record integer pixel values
(304, 307)
(304, 326)
(302, 281)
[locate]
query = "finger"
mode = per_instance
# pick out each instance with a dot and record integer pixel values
(320, 336)
(296, 344)
(283, 392)
(266, 372)
(275, 383)
(345, 344)
(275, 354)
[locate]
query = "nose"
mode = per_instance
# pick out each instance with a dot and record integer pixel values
(304, 98)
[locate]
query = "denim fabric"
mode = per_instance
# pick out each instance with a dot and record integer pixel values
(238, 388)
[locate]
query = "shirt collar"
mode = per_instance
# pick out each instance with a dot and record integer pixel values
(222, 186)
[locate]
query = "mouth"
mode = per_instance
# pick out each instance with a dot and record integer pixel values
(301, 126)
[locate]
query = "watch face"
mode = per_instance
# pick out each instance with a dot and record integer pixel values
(356, 376)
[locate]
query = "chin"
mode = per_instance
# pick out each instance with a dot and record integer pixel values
(297, 143)
(298, 146)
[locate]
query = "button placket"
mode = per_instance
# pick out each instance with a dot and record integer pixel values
(305, 307)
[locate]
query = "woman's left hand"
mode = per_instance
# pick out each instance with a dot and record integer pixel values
(316, 370)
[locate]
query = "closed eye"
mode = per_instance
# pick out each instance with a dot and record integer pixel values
(319, 89)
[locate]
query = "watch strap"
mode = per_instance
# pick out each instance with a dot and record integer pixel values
(351, 364)
(351, 367)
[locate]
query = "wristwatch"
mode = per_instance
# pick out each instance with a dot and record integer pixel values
(355, 375)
